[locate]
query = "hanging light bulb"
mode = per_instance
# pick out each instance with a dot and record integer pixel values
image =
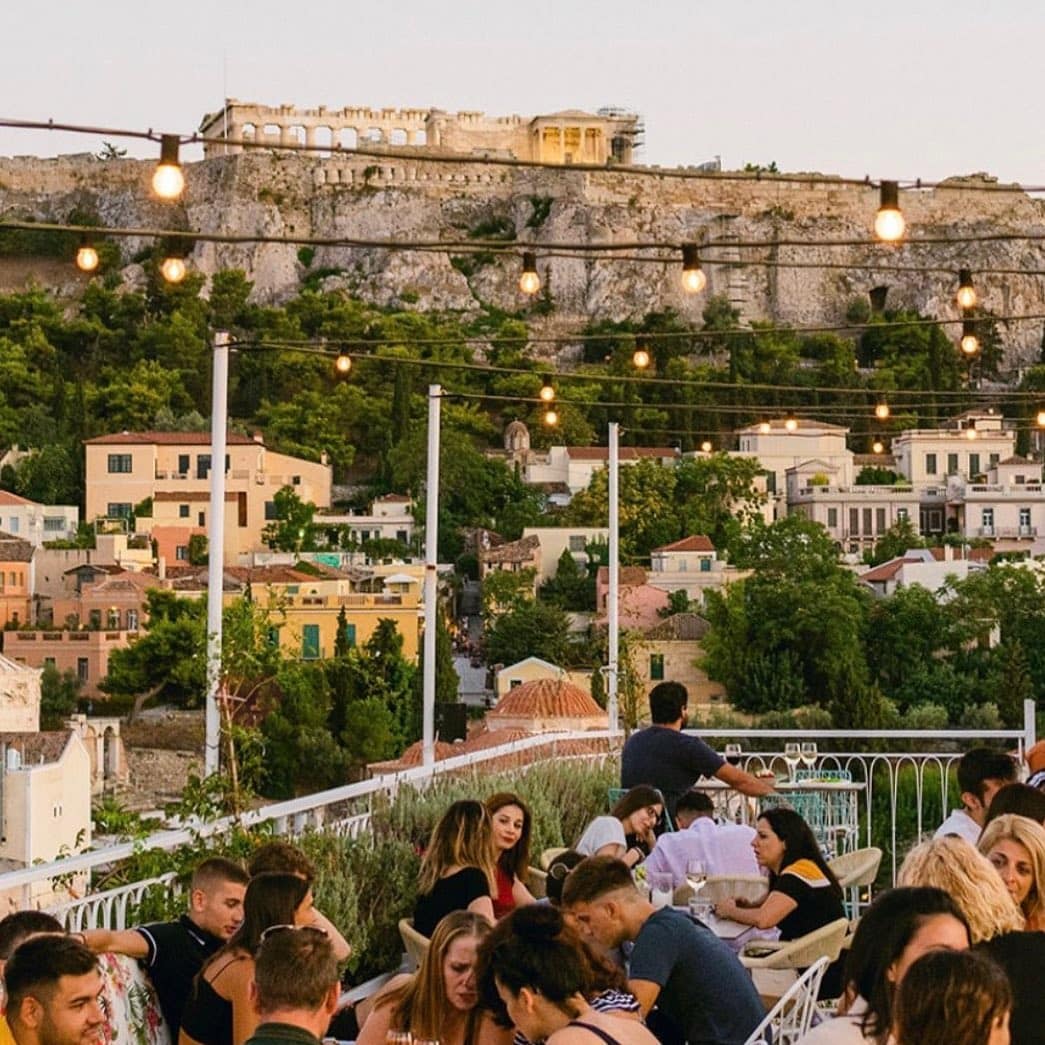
(791, 423)
(881, 410)
(551, 418)
(1041, 418)
(693, 278)
(86, 256)
(889, 224)
(343, 363)
(966, 295)
(877, 446)
(168, 180)
(529, 281)
(547, 392)
(173, 268)
(970, 343)
(970, 433)
(765, 427)
(706, 447)
(640, 359)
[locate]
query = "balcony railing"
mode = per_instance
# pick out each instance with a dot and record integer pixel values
(1007, 531)
(901, 793)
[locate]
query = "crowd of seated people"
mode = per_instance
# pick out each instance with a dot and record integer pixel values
(954, 952)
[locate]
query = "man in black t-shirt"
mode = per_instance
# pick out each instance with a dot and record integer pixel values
(173, 952)
(671, 761)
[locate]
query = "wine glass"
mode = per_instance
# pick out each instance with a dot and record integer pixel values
(661, 888)
(399, 1037)
(732, 753)
(696, 875)
(792, 756)
(809, 754)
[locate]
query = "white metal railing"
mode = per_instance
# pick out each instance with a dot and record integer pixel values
(108, 909)
(876, 770)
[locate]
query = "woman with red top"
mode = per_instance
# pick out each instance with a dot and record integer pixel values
(511, 837)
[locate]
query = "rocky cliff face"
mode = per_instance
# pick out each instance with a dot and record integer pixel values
(409, 197)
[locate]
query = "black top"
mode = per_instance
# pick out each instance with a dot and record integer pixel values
(818, 902)
(668, 760)
(1022, 956)
(177, 951)
(282, 1034)
(452, 893)
(207, 1016)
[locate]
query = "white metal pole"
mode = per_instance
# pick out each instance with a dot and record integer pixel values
(435, 393)
(613, 596)
(216, 547)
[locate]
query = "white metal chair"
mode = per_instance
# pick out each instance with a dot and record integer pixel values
(854, 871)
(789, 1019)
(414, 943)
(727, 886)
(825, 942)
(546, 857)
(537, 882)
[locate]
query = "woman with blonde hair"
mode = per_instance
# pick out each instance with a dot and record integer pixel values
(458, 872)
(440, 1002)
(953, 865)
(1015, 846)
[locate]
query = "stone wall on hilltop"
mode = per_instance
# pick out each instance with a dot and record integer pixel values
(409, 197)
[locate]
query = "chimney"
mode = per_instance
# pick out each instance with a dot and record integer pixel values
(258, 436)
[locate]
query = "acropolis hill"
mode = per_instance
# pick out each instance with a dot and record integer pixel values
(406, 193)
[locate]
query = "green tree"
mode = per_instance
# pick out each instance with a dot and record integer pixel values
(293, 528)
(894, 542)
(571, 588)
(532, 629)
(198, 553)
(1014, 684)
(504, 591)
(59, 696)
(678, 602)
(50, 475)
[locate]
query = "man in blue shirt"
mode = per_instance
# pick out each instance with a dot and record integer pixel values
(702, 994)
(671, 761)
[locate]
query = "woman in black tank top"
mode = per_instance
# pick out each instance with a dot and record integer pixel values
(543, 976)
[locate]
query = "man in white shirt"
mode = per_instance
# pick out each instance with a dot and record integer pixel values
(982, 771)
(724, 848)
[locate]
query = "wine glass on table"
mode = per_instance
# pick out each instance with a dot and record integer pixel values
(696, 875)
(809, 754)
(792, 756)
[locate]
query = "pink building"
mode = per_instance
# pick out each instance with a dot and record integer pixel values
(639, 602)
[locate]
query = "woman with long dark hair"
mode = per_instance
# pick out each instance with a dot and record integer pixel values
(803, 895)
(219, 1010)
(511, 824)
(628, 832)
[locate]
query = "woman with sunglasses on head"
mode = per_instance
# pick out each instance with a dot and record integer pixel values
(511, 823)
(440, 1002)
(219, 1010)
(628, 832)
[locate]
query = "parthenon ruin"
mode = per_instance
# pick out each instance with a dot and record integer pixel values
(609, 136)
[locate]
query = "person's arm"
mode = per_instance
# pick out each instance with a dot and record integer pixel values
(245, 1018)
(742, 781)
(377, 1025)
(646, 994)
(483, 905)
(342, 948)
(769, 913)
(520, 894)
(124, 941)
(488, 1033)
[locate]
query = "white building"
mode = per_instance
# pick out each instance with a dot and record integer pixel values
(390, 518)
(554, 540)
(967, 445)
(35, 522)
(575, 465)
(691, 565)
(930, 568)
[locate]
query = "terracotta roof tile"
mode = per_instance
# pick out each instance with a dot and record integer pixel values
(7, 498)
(627, 453)
(696, 543)
(14, 549)
(166, 439)
(630, 576)
(36, 748)
(680, 627)
(514, 551)
(546, 698)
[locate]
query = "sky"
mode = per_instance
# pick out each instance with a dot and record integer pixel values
(921, 89)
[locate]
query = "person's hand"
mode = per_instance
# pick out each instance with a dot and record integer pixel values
(725, 908)
(741, 901)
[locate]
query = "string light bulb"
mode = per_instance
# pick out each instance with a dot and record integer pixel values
(881, 410)
(529, 281)
(970, 433)
(706, 447)
(547, 392)
(889, 224)
(791, 423)
(343, 363)
(641, 359)
(765, 428)
(168, 180)
(966, 296)
(693, 278)
(551, 418)
(173, 268)
(1041, 418)
(86, 256)
(970, 343)
(877, 447)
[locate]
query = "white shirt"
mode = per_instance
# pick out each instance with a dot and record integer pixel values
(961, 824)
(603, 830)
(724, 848)
(840, 1030)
